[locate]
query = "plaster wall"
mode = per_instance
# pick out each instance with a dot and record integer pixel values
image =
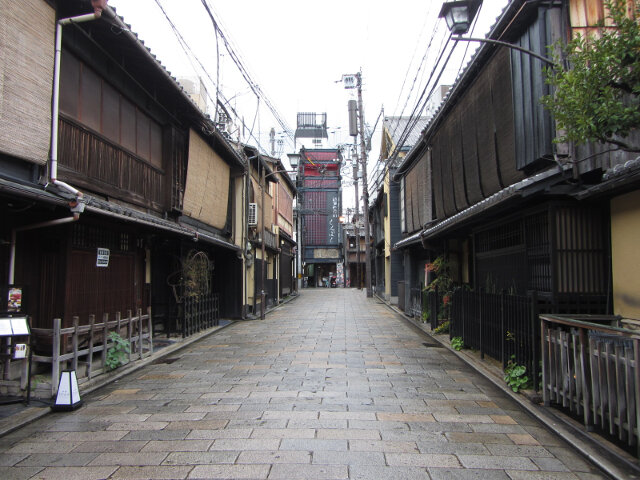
(625, 256)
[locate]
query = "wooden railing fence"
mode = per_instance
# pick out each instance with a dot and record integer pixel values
(591, 370)
(84, 345)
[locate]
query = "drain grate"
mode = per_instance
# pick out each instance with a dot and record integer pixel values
(432, 345)
(167, 361)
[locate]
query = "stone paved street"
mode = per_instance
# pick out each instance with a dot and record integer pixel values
(330, 386)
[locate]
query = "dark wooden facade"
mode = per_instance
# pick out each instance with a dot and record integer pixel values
(124, 142)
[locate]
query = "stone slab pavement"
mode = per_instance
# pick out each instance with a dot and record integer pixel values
(330, 386)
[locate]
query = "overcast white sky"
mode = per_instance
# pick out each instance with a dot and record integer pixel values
(296, 50)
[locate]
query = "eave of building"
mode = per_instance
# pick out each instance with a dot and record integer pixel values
(120, 212)
(616, 180)
(521, 189)
(414, 239)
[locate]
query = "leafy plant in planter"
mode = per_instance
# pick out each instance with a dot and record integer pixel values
(457, 343)
(118, 352)
(442, 283)
(515, 375)
(442, 328)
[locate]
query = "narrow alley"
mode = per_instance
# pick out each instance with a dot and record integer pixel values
(332, 386)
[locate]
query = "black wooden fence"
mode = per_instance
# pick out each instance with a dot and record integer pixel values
(200, 312)
(499, 325)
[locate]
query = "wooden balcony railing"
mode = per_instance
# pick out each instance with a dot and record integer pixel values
(590, 370)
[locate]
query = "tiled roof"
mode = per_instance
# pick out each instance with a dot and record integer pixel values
(396, 127)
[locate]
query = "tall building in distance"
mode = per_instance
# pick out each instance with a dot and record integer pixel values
(319, 200)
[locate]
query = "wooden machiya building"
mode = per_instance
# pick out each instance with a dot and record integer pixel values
(133, 204)
(270, 246)
(487, 187)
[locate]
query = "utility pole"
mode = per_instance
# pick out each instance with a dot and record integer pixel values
(356, 229)
(365, 189)
(355, 81)
(272, 140)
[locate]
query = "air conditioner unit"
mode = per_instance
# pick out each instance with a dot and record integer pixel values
(253, 215)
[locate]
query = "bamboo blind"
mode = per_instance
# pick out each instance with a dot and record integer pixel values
(206, 196)
(27, 35)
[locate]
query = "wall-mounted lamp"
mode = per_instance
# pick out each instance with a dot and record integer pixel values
(459, 14)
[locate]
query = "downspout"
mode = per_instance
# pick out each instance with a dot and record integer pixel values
(12, 251)
(98, 6)
(263, 270)
(245, 234)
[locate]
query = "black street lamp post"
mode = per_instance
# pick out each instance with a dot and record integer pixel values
(460, 14)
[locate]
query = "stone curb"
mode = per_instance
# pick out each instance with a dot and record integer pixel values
(580, 440)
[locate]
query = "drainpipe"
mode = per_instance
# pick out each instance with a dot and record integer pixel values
(263, 270)
(98, 6)
(12, 252)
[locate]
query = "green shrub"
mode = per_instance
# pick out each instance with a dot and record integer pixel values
(118, 352)
(515, 375)
(457, 343)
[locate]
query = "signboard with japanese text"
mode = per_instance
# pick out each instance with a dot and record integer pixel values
(102, 259)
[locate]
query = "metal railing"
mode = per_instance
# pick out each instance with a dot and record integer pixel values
(200, 312)
(499, 325)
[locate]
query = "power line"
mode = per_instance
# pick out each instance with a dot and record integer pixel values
(244, 72)
(191, 55)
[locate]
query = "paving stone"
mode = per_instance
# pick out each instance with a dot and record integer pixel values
(273, 457)
(214, 472)
(466, 474)
(152, 473)
(114, 446)
(57, 459)
(22, 473)
(378, 472)
(10, 459)
(128, 459)
(245, 444)
(177, 446)
(309, 472)
(324, 457)
(138, 426)
(74, 473)
(382, 446)
(285, 433)
(313, 444)
(43, 447)
(495, 462)
(520, 475)
(156, 435)
(453, 448)
(422, 460)
(201, 458)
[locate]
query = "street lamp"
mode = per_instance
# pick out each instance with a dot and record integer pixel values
(460, 14)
